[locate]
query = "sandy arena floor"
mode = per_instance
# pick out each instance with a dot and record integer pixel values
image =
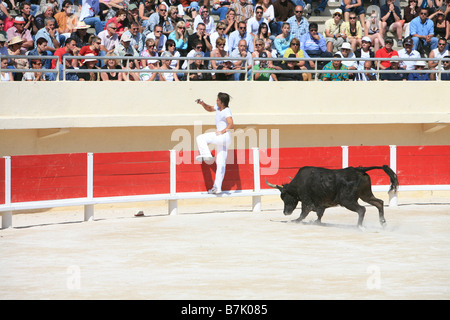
(219, 249)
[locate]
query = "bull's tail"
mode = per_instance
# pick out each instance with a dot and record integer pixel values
(388, 171)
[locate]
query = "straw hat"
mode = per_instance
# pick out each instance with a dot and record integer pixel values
(82, 25)
(15, 40)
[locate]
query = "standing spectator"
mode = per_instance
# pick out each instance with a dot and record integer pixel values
(283, 41)
(254, 22)
(313, 44)
(386, 52)
(18, 30)
(80, 34)
(375, 30)
(202, 36)
(422, 32)
(391, 20)
(241, 34)
(242, 52)
(206, 19)
(283, 10)
(408, 52)
(180, 36)
(160, 39)
(355, 6)
(335, 65)
(299, 25)
(332, 33)
(353, 31)
(243, 9)
(50, 33)
(416, 76)
(396, 76)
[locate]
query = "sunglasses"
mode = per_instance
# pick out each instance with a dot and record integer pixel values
(298, 11)
(295, 44)
(220, 28)
(113, 28)
(352, 18)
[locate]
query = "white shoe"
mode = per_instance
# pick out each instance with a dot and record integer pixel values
(308, 8)
(201, 158)
(214, 190)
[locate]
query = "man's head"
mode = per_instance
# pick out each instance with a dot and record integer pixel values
(423, 14)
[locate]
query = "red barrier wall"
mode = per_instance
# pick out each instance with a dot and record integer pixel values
(2, 181)
(131, 173)
(193, 176)
(368, 156)
(423, 165)
(48, 177)
(290, 160)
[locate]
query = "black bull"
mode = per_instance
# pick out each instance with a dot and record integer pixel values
(320, 188)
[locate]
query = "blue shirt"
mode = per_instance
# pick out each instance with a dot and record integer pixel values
(308, 43)
(235, 37)
(43, 33)
(422, 29)
(298, 30)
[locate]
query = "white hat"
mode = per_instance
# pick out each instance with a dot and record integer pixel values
(19, 19)
(421, 63)
(82, 25)
(366, 38)
(337, 11)
(91, 57)
(125, 37)
(346, 45)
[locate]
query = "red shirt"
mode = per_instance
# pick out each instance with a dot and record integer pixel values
(85, 50)
(382, 53)
(59, 52)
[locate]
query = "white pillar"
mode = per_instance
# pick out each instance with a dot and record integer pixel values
(173, 204)
(89, 209)
(256, 200)
(393, 195)
(344, 156)
(7, 215)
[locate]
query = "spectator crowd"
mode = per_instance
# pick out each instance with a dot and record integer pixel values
(144, 31)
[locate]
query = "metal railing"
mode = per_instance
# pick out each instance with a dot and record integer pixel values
(61, 70)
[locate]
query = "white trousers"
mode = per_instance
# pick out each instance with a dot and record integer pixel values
(222, 142)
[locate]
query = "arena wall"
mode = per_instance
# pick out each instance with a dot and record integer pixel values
(68, 117)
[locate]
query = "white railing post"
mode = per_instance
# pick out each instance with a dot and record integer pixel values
(89, 208)
(256, 200)
(7, 215)
(344, 156)
(393, 195)
(173, 204)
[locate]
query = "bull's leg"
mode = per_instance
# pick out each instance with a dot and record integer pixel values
(319, 212)
(379, 204)
(354, 206)
(303, 214)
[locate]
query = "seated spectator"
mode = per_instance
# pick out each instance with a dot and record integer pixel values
(160, 18)
(386, 52)
(230, 22)
(335, 65)
(283, 10)
(290, 66)
(391, 20)
(34, 75)
(294, 48)
(346, 52)
(47, 12)
(422, 32)
(146, 8)
(374, 29)
(160, 39)
(120, 20)
(125, 48)
(219, 33)
(197, 48)
(93, 47)
(165, 65)
(446, 64)
(396, 76)
(203, 37)
(110, 39)
(268, 13)
(137, 39)
(174, 64)
(149, 52)
(218, 52)
(254, 22)
(263, 33)
(352, 31)
(68, 65)
(5, 75)
(180, 37)
(242, 52)
(220, 8)
(89, 9)
(243, 9)
(369, 75)
(332, 33)
(198, 65)
(283, 41)
(205, 18)
(410, 12)
(191, 7)
(441, 25)
(261, 52)
(70, 49)
(408, 52)
(439, 52)
(112, 64)
(18, 30)
(81, 35)
(314, 45)
(50, 33)
(227, 76)
(15, 49)
(353, 6)
(66, 19)
(416, 76)
(88, 64)
(241, 34)
(39, 50)
(299, 25)
(364, 52)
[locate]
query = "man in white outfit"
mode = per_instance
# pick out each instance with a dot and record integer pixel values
(221, 138)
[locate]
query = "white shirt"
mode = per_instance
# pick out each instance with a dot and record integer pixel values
(253, 25)
(221, 117)
(409, 64)
(89, 9)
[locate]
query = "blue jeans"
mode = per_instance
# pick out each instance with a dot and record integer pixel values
(433, 44)
(96, 23)
(298, 3)
(221, 12)
(321, 6)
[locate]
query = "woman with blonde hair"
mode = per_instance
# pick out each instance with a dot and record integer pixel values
(294, 48)
(374, 30)
(180, 36)
(112, 63)
(219, 52)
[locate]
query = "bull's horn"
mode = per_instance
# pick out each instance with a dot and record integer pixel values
(290, 178)
(272, 185)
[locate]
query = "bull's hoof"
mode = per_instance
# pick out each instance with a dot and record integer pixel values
(383, 224)
(296, 221)
(362, 228)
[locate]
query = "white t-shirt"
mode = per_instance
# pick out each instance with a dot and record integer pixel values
(221, 117)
